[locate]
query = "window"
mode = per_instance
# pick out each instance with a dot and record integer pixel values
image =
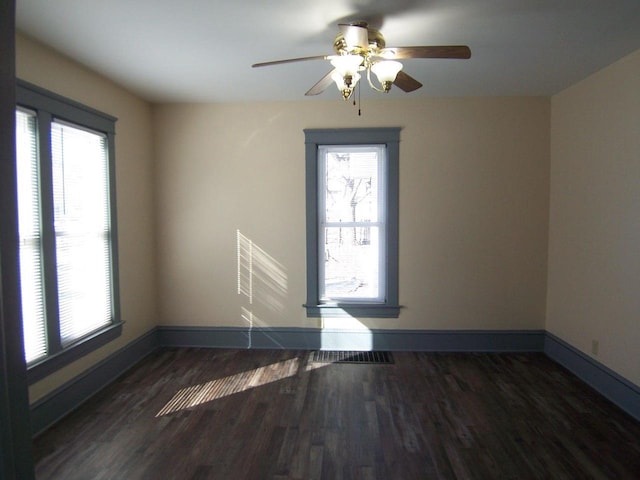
(66, 223)
(352, 222)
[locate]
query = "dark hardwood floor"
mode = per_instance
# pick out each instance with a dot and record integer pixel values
(261, 414)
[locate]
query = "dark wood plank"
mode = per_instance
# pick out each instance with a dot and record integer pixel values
(221, 414)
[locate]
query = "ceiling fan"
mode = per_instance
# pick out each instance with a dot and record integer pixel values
(361, 48)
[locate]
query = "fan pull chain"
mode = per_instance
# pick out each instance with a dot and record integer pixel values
(359, 102)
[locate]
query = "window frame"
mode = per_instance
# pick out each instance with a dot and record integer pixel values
(390, 138)
(48, 107)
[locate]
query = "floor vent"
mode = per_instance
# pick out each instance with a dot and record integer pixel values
(339, 356)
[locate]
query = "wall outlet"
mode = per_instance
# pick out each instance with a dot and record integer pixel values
(595, 346)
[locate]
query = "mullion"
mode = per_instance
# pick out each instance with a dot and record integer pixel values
(113, 229)
(352, 224)
(54, 344)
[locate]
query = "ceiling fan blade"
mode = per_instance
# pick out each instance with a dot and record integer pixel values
(442, 51)
(406, 82)
(322, 84)
(290, 60)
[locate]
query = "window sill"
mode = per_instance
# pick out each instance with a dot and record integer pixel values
(73, 352)
(353, 310)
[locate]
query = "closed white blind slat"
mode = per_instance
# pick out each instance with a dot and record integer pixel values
(81, 220)
(30, 235)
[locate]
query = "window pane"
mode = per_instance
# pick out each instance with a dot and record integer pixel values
(351, 263)
(350, 222)
(351, 193)
(81, 218)
(29, 226)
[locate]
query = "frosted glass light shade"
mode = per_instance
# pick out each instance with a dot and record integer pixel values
(344, 89)
(386, 70)
(347, 65)
(340, 81)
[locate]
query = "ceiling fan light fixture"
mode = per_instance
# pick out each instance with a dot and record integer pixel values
(361, 49)
(386, 71)
(347, 65)
(345, 89)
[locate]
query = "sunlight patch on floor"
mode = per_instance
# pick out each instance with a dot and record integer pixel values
(206, 392)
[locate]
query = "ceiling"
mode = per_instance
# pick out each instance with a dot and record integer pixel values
(202, 50)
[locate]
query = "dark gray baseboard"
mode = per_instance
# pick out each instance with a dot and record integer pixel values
(326, 339)
(48, 410)
(66, 398)
(602, 379)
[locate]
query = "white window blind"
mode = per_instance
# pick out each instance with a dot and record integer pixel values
(81, 224)
(30, 237)
(351, 223)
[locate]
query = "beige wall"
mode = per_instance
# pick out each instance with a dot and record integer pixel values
(134, 169)
(474, 176)
(594, 238)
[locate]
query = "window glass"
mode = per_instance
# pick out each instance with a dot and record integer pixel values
(30, 237)
(81, 218)
(351, 228)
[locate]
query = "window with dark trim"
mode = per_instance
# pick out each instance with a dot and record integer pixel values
(67, 229)
(352, 222)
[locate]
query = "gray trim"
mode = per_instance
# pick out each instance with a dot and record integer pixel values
(73, 352)
(207, 337)
(353, 136)
(352, 310)
(113, 230)
(16, 461)
(393, 218)
(461, 340)
(330, 339)
(66, 398)
(602, 379)
(52, 316)
(311, 203)
(37, 98)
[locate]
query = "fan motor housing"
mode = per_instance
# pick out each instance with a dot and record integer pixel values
(376, 42)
